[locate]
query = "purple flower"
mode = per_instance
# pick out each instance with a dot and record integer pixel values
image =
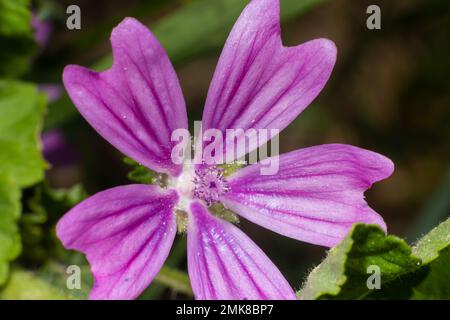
(318, 193)
(42, 30)
(42, 33)
(57, 150)
(53, 91)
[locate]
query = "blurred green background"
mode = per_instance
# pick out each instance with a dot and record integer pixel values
(389, 92)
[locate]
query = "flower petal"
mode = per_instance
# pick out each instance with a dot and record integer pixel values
(316, 196)
(259, 83)
(225, 264)
(126, 234)
(137, 103)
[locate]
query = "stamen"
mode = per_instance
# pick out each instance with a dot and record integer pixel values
(210, 184)
(160, 180)
(182, 219)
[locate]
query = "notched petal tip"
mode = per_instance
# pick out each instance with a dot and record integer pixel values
(327, 45)
(379, 221)
(129, 22)
(329, 49)
(77, 76)
(128, 25)
(380, 166)
(383, 165)
(388, 166)
(322, 51)
(264, 6)
(316, 196)
(137, 103)
(72, 73)
(258, 82)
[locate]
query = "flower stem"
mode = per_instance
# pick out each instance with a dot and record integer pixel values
(175, 279)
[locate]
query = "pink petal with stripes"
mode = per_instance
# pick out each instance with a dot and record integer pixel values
(316, 196)
(126, 234)
(225, 264)
(138, 103)
(258, 82)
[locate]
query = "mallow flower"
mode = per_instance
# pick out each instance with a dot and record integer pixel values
(57, 150)
(127, 232)
(42, 30)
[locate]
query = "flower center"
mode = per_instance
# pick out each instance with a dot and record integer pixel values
(205, 183)
(210, 184)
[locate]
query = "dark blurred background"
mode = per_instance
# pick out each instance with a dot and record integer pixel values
(389, 92)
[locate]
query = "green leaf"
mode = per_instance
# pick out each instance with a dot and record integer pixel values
(15, 55)
(343, 273)
(15, 18)
(21, 164)
(405, 272)
(24, 285)
(55, 202)
(429, 247)
(16, 37)
(431, 280)
(139, 173)
(9, 236)
(435, 284)
(142, 175)
(428, 282)
(21, 111)
(44, 208)
(55, 275)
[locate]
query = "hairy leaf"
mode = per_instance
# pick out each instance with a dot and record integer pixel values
(343, 274)
(431, 280)
(405, 272)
